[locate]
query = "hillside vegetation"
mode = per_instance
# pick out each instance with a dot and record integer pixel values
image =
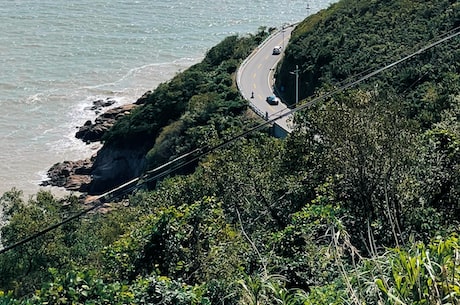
(199, 106)
(359, 205)
(195, 107)
(353, 38)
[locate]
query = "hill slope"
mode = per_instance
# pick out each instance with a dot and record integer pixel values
(359, 205)
(355, 37)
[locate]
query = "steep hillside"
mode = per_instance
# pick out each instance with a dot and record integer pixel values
(198, 106)
(356, 37)
(359, 205)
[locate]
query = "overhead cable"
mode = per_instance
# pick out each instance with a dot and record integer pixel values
(190, 157)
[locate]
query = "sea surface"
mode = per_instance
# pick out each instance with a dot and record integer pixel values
(58, 56)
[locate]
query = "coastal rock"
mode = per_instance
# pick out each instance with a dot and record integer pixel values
(90, 132)
(109, 167)
(99, 104)
(78, 183)
(144, 98)
(114, 166)
(72, 175)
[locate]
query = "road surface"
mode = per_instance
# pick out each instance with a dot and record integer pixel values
(255, 78)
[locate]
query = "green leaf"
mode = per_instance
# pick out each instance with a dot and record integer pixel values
(381, 286)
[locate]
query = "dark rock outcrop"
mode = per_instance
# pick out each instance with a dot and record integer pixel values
(109, 167)
(99, 104)
(90, 132)
(72, 175)
(114, 166)
(144, 98)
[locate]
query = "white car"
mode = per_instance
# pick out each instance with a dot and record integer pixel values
(277, 50)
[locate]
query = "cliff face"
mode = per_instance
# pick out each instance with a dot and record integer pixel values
(110, 167)
(198, 106)
(114, 166)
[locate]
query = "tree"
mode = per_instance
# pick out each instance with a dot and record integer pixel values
(360, 140)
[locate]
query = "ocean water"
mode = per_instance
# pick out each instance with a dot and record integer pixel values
(58, 56)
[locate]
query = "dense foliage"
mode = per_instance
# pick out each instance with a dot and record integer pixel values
(359, 205)
(356, 37)
(199, 106)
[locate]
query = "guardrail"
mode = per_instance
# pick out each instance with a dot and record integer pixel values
(241, 67)
(259, 112)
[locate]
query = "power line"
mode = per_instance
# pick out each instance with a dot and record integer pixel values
(188, 158)
(455, 32)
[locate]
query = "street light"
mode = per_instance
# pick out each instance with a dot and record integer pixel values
(296, 72)
(282, 30)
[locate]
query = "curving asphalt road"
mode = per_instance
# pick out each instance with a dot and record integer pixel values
(255, 78)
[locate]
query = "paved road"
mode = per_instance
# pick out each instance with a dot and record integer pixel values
(255, 78)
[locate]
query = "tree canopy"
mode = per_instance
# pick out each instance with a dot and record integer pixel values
(358, 205)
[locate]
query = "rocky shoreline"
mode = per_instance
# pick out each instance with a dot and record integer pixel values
(77, 175)
(93, 132)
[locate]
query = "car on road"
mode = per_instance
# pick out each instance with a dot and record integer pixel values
(273, 100)
(277, 50)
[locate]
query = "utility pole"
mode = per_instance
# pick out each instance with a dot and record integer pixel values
(296, 72)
